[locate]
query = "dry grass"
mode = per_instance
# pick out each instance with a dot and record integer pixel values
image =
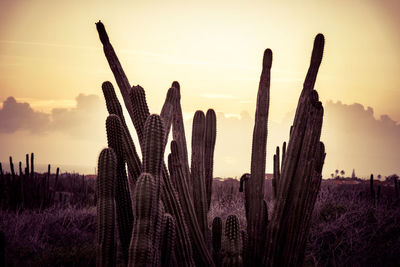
(347, 229)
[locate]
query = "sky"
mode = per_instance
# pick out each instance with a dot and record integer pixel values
(52, 67)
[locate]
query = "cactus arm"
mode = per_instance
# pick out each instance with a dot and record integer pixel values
(123, 195)
(105, 190)
(140, 110)
(115, 66)
(167, 111)
(211, 132)
(178, 132)
(197, 171)
(255, 185)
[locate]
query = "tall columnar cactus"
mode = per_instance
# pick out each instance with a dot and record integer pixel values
(278, 242)
(115, 66)
(140, 110)
(141, 249)
(211, 132)
(371, 188)
(197, 171)
(153, 156)
(275, 179)
(201, 253)
(178, 133)
(254, 189)
(168, 110)
(122, 197)
(300, 176)
(216, 240)
(233, 257)
(168, 257)
(131, 156)
(105, 190)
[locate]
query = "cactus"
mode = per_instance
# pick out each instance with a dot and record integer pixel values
(233, 257)
(254, 190)
(178, 132)
(116, 67)
(167, 111)
(199, 246)
(216, 240)
(140, 110)
(168, 257)
(105, 189)
(198, 172)
(122, 197)
(300, 176)
(132, 158)
(277, 174)
(278, 242)
(211, 132)
(141, 246)
(371, 188)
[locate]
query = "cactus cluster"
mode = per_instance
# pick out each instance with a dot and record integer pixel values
(161, 213)
(27, 189)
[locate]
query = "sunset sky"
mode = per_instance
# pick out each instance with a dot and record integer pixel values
(52, 60)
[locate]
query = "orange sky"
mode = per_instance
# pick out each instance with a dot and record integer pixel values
(50, 53)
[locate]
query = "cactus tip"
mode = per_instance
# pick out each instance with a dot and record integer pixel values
(102, 32)
(267, 60)
(176, 85)
(318, 49)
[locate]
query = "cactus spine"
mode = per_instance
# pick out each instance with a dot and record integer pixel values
(105, 190)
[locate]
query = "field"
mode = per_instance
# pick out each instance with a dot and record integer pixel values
(348, 228)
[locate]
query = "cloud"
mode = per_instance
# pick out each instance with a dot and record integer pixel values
(16, 116)
(81, 121)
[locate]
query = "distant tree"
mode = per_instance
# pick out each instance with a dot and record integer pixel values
(342, 173)
(353, 174)
(337, 172)
(379, 176)
(332, 175)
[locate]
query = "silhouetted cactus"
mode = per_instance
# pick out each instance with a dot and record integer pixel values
(168, 110)
(233, 257)
(178, 133)
(141, 247)
(105, 188)
(371, 188)
(216, 240)
(278, 242)
(198, 172)
(131, 156)
(203, 257)
(300, 176)
(211, 133)
(122, 196)
(254, 189)
(168, 257)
